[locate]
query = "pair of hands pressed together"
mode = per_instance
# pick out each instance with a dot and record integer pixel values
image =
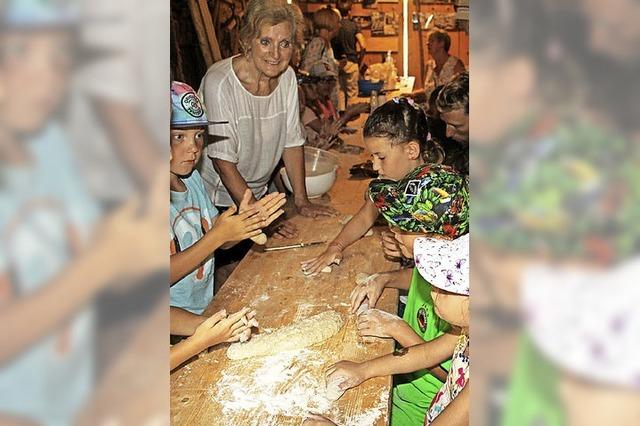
(251, 218)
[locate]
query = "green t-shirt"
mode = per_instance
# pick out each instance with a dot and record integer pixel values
(412, 398)
(532, 397)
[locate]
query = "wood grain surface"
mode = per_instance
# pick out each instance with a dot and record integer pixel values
(281, 389)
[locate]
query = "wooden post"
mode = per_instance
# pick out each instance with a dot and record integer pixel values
(200, 31)
(210, 30)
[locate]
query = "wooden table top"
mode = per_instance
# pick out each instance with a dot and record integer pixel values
(281, 389)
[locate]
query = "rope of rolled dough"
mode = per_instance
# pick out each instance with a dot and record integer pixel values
(298, 335)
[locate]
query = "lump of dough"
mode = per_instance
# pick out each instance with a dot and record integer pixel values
(244, 337)
(259, 239)
(301, 334)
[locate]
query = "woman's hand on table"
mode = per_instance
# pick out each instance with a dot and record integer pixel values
(316, 420)
(313, 266)
(371, 291)
(284, 229)
(308, 209)
(347, 374)
(377, 323)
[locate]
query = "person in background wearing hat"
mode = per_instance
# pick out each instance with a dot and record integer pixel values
(257, 93)
(195, 229)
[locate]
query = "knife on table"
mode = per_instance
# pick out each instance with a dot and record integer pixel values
(292, 246)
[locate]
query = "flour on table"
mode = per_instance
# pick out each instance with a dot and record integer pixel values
(300, 334)
(283, 384)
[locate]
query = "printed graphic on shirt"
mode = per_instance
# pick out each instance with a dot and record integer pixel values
(185, 234)
(422, 317)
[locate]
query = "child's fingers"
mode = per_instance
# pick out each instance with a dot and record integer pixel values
(274, 216)
(251, 234)
(238, 315)
(252, 211)
(215, 318)
(329, 371)
(230, 211)
(239, 328)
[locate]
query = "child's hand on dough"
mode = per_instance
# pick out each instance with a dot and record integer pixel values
(371, 290)
(313, 266)
(219, 328)
(348, 374)
(377, 323)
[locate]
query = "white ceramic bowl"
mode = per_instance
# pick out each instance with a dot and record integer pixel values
(320, 167)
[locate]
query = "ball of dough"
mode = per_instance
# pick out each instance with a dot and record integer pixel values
(259, 239)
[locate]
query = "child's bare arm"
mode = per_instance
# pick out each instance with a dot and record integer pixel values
(426, 355)
(457, 412)
(407, 360)
(182, 322)
(227, 227)
(214, 330)
(352, 231)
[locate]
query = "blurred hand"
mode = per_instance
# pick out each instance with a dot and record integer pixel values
(377, 323)
(284, 229)
(313, 266)
(370, 291)
(359, 108)
(348, 374)
(236, 227)
(308, 209)
(131, 235)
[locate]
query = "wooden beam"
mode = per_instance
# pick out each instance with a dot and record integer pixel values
(201, 32)
(210, 30)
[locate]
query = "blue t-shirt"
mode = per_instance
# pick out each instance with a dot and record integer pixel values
(46, 216)
(190, 217)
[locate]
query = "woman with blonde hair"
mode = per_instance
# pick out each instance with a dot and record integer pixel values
(257, 93)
